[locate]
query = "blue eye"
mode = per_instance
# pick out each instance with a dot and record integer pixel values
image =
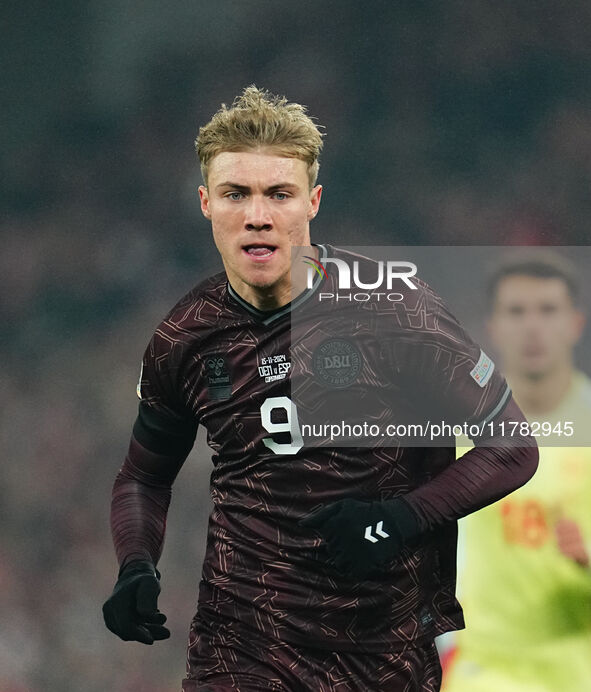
(235, 198)
(281, 196)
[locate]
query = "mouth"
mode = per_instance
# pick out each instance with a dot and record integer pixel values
(259, 252)
(533, 353)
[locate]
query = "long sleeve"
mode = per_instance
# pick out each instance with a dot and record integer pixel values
(142, 490)
(140, 499)
(163, 435)
(451, 379)
(495, 467)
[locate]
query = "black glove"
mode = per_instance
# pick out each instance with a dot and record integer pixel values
(132, 612)
(363, 537)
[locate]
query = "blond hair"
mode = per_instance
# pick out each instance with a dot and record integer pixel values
(260, 119)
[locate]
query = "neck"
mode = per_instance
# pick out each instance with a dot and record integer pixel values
(541, 395)
(283, 291)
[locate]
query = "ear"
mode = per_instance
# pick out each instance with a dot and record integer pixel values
(315, 195)
(204, 198)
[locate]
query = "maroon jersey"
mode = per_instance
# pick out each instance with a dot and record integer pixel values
(253, 378)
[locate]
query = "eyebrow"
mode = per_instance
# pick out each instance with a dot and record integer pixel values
(245, 188)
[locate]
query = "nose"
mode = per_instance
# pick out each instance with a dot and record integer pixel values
(257, 215)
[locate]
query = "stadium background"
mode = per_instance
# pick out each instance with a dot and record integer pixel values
(447, 123)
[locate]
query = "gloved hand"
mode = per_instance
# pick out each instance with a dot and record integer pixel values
(363, 537)
(131, 612)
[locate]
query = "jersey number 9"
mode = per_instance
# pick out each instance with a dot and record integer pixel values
(291, 425)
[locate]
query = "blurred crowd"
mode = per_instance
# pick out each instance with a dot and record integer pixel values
(464, 125)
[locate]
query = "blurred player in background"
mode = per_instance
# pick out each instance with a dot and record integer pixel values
(524, 578)
(295, 595)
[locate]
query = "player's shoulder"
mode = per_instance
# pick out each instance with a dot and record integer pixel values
(358, 262)
(399, 288)
(202, 303)
(210, 291)
(192, 317)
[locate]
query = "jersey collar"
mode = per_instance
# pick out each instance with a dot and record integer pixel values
(270, 316)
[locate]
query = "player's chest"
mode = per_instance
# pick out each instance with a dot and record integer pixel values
(315, 369)
(238, 365)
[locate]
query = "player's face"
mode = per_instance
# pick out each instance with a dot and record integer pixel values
(534, 325)
(260, 205)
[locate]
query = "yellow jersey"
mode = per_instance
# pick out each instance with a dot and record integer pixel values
(527, 607)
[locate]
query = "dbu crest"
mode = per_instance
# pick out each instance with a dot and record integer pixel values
(337, 362)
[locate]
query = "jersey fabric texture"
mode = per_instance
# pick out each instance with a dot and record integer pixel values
(206, 364)
(224, 655)
(527, 606)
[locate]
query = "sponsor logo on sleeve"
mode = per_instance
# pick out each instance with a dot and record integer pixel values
(483, 370)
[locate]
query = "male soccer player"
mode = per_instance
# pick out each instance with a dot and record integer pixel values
(294, 594)
(525, 584)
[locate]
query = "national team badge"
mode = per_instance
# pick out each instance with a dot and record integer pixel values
(337, 362)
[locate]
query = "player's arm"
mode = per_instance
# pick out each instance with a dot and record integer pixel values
(488, 472)
(163, 435)
(142, 490)
(444, 372)
(464, 386)
(140, 499)
(496, 466)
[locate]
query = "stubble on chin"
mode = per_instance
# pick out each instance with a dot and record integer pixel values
(535, 375)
